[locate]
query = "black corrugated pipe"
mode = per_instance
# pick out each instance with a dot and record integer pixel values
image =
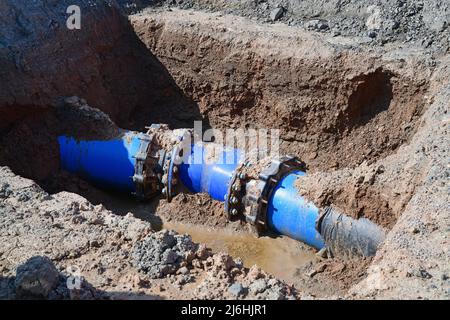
(344, 235)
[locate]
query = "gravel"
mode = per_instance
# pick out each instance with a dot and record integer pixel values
(161, 253)
(393, 20)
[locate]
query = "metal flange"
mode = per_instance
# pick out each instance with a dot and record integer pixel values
(259, 192)
(236, 192)
(170, 169)
(145, 176)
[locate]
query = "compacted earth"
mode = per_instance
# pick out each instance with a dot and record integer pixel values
(359, 91)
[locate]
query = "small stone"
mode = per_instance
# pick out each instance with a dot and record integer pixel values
(317, 24)
(258, 286)
(422, 273)
(254, 273)
(72, 101)
(372, 34)
(202, 252)
(276, 13)
(322, 253)
(183, 270)
(36, 278)
(236, 289)
(275, 295)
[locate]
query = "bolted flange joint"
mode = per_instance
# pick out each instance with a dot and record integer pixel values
(259, 192)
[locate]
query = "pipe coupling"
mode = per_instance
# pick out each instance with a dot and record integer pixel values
(259, 192)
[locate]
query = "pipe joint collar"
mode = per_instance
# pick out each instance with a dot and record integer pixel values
(259, 192)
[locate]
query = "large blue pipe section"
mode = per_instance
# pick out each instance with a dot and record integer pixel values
(288, 212)
(292, 215)
(200, 174)
(111, 164)
(106, 163)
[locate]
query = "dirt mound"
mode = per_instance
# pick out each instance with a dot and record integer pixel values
(334, 106)
(421, 23)
(100, 249)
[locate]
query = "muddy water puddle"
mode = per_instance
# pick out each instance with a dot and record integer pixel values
(279, 256)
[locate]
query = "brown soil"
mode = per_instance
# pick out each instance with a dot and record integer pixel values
(344, 109)
(334, 107)
(194, 208)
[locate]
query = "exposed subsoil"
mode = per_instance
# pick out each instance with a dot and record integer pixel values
(369, 118)
(335, 108)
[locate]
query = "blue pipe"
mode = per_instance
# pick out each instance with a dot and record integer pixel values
(111, 164)
(291, 214)
(212, 178)
(106, 163)
(288, 212)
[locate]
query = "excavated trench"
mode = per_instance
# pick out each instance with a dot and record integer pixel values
(337, 109)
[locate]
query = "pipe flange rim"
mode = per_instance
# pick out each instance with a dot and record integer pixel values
(260, 191)
(140, 177)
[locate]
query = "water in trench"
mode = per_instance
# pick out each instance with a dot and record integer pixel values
(280, 256)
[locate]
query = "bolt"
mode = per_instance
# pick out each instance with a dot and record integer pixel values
(175, 169)
(234, 200)
(164, 191)
(234, 212)
(242, 176)
(236, 188)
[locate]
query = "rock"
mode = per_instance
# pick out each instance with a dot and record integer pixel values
(372, 34)
(317, 25)
(236, 289)
(223, 260)
(183, 270)
(5, 191)
(36, 278)
(319, 269)
(276, 13)
(274, 295)
(202, 252)
(73, 101)
(254, 273)
(258, 286)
